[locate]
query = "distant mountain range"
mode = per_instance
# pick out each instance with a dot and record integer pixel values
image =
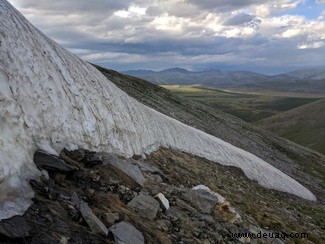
(306, 80)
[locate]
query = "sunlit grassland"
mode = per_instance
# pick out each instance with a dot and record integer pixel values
(249, 106)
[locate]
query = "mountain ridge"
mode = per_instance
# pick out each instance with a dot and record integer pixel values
(301, 80)
(302, 73)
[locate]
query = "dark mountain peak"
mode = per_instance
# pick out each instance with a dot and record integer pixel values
(176, 69)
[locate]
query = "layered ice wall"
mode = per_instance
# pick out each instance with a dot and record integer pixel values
(49, 95)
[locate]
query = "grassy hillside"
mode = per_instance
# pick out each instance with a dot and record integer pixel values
(250, 107)
(304, 125)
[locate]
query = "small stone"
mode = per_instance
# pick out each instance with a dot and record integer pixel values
(76, 155)
(94, 176)
(45, 147)
(64, 240)
(164, 224)
(71, 147)
(183, 205)
(126, 233)
(199, 224)
(111, 218)
(90, 192)
(164, 203)
(196, 233)
(75, 199)
(136, 157)
(154, 180)
(45, 175)
(91, 159)
(245, 240)
(149, 168)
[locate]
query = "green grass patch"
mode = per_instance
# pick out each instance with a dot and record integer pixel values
(250, 107)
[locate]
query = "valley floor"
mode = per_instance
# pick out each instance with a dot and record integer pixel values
(299, 117)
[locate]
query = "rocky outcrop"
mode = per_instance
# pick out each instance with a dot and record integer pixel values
(97, 203)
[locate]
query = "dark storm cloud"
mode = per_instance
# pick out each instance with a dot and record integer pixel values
(75, 6)
(211, 4)
(239, 19)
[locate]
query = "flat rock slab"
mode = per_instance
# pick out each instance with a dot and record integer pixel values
(129, 172)
(15, 227)
(145, 205)
(125, 233)
(146, 167)
(87, 214)
(91, 219)
(51, 163)
(89, 158)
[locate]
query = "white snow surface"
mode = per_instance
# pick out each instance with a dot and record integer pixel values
(48, 95)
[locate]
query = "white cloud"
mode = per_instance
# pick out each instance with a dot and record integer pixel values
(311, 45)
(133, 11)
(291, 33)
(251, 30)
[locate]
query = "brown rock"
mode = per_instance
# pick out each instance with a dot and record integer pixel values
(224, 212)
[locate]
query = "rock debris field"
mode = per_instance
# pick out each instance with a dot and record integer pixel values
(90, 197)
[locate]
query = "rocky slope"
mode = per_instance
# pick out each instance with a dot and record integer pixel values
(51, 98)
(302, 164)
(93, 197)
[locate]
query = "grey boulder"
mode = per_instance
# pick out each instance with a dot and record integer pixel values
(145, 205)
(125, 233)
(15, 227)
(128, 172)
(202, 198)
(87, 214)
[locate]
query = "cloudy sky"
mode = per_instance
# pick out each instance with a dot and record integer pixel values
(258, 35)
